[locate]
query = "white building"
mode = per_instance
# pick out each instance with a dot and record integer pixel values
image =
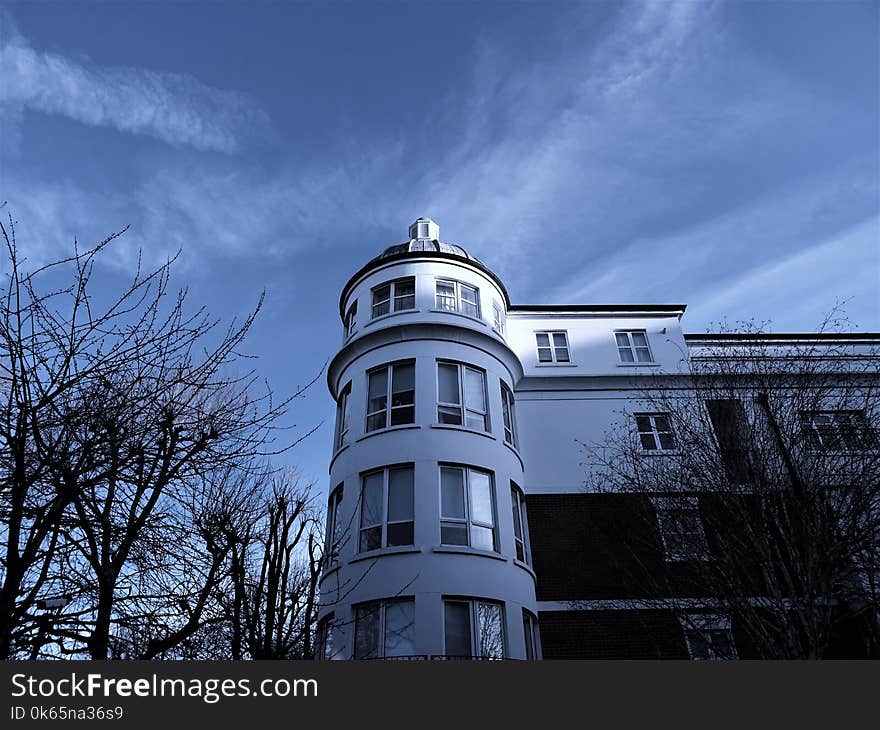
(453, 404)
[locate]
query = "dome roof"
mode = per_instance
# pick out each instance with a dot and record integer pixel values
(425, 239)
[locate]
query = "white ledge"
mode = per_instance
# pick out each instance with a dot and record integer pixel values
(401, 427)
(465, 429)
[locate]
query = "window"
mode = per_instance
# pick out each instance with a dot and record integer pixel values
(334, 528)
(384, 629)
(632, 346)
(342, 417)
(394, 384)
(398, 296)
(709, 637)
(728, 418)
(473, 629)
(655, 431)
(324, 638)
(520, 526)
(454, 296)
(387, 508)
(530, 633)
(681, 529)
(509, 415)
(498, 318)
(837, 431)
(350, 321)
(461, 396)
(467, 508)
(552, 346)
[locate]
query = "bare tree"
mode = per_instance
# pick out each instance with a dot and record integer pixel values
(753, 487)
(117, 421)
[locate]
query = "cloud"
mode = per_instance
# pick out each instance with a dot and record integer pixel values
(172, 107)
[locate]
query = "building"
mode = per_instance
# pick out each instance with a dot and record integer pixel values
(458, 520)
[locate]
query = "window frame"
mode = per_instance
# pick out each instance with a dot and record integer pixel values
(393, 297)
(349, 322)
(508, 415)
(531, 638)
(467, 521)
(859, 426)
(389, 395)
(520, 519)
(656, 432)
(343, 417)
(382, 641)
(632, 348)
(705, 625)
(324, 632)
(680, 503)
(457, 297)
(474, 637)
(552, 347)
(333, 536)
(384, 522)
(498, 318)
(461, 406)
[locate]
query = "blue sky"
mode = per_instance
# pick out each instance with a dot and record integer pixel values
(724, 155)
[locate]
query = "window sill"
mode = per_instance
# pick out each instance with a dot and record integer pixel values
(382, 552)
(465, 550)
(516, 454)
(461, 314)
(526, 567)
(465, 429)
(337, 453)
(651, 364)
(378, 431)
(555, 365)
(390, 314)
(661, 452)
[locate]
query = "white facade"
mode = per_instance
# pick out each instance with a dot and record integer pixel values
(402, 588)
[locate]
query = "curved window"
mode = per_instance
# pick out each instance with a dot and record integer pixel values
(334, 528)
(520, 526)
(461, 396)
(467, 508)
(324, 638)
(350, 322)
(456, 296)
(498, 318)
(530, 634)
(391, 395)
(387, 508)
(397, 296)
(509, 415)
(384, 629)
(473, 628)
(342, 417)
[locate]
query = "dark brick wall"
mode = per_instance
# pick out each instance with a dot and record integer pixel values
(611, 635)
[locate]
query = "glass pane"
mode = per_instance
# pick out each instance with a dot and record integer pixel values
(667, 440)
(366, 632)
(400, 533)
(403, 385)
(517, 525)
(648, 441)
(544, 354)
(457, 622)
(453, 533)
(482, 537)
(445, 295)
(543, 339)
(448, 414)
(399, 628)
(561, 354)
(643, 354)
(476, 420)
(378, 391)
(639, 339)
(722, 643)
(698, 644)
(452, 493)
(380, 309)
(622, 339)
(662, 423)
(468, 294)
(520, 551)
(400, 495)
(404, 414)
(528, 633)
(470, 309)
(626, 355)
(402, 303)
(559, 339)
(447, 379)
(481, 497)
(375, 422)
(474, 390)
(381, 293)
(490, 630)
(371, 507)
(371, 539)
(643, 423)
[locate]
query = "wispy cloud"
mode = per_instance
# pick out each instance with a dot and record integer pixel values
(172, 107)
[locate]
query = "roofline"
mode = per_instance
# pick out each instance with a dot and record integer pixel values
(382, 260)
(782, 336)
(677, 309)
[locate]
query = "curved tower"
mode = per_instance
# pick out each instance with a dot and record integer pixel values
(427, 537)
